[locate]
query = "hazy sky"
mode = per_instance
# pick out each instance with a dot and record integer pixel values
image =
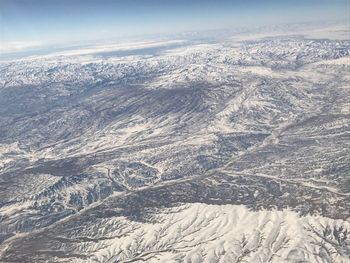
(26, 23)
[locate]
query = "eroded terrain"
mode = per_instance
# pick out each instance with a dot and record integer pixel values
(233, 151)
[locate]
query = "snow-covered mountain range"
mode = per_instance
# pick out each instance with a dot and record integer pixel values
(234, 150)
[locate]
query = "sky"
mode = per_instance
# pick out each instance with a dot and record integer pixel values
(27, 24)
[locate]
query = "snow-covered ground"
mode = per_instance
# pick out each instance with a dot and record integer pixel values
(235, 150)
